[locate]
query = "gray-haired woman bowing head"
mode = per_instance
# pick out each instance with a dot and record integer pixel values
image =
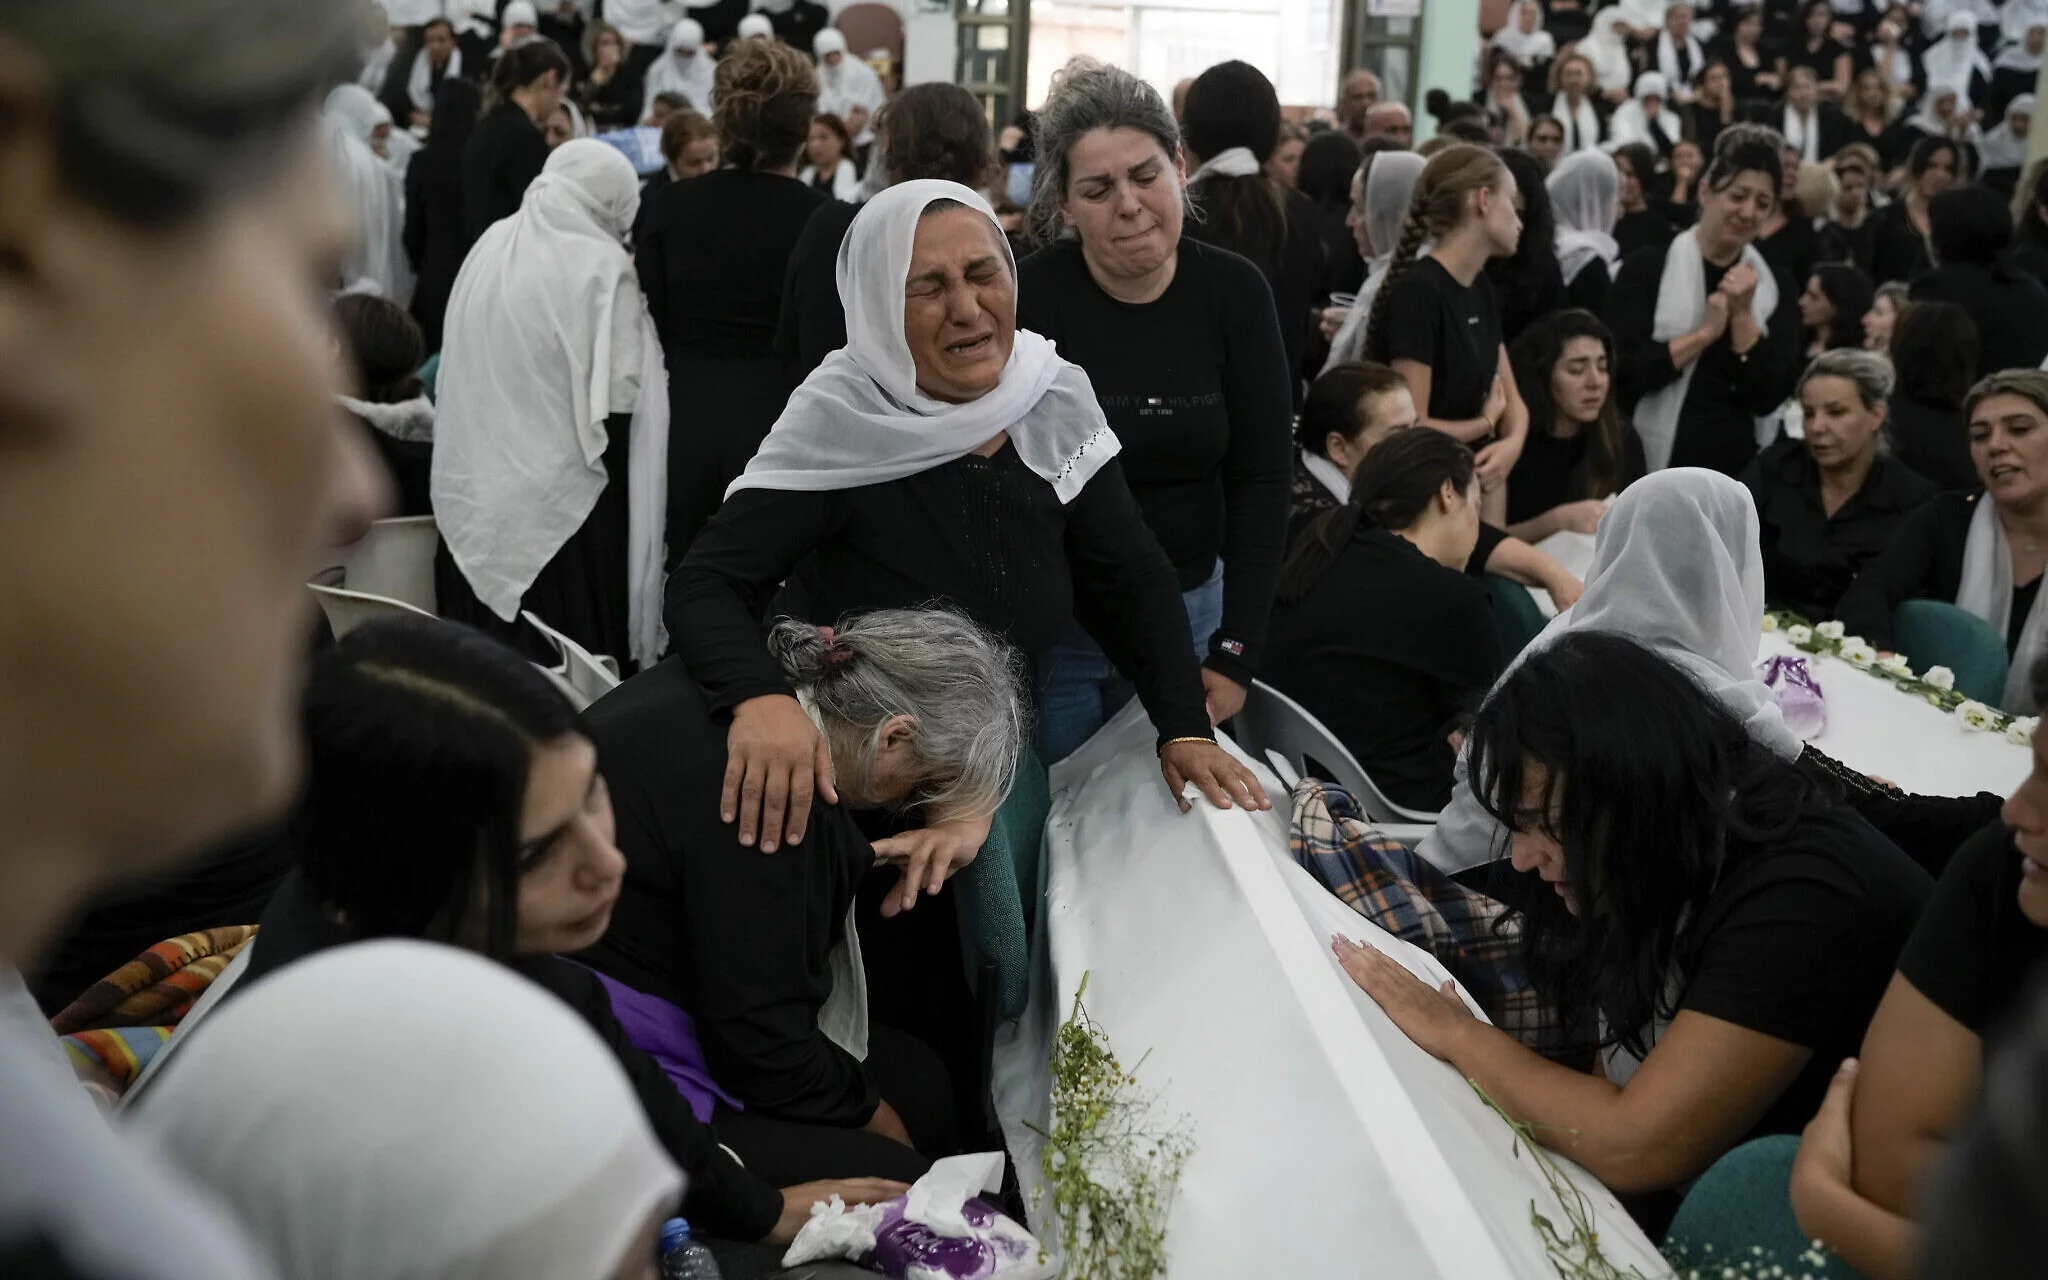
(941, 454)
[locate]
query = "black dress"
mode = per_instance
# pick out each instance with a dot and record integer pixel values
(711, 266)
(1933, 440)
(813, 323)
(1811, 557)
(1728, 393)
(501, 159)
(1390, 683)
(1898, 251)
(436, 234)
(2009, 308)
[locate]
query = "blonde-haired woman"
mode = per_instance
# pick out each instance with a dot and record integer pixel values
(1436, 321)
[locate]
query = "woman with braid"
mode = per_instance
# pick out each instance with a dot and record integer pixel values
(1436, 320)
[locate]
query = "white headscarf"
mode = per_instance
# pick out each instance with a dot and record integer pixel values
(1581, 123)
(860, 417)
(1681, 307)
(1585, 195)
(1998, 148)
(851, 84)
(547, 336)
(372, 192)
(397, 1110)
(1606, 48)
(1631, 121)
(1677, 567)
(419, 82)
(2014, 56)
(1986, 591)
(685, 68)
(1525, 47)
(1927, 121)
(399, 148)
(756, 24)
(1389, 188)
(2017, 16)
(1955, 58)
(1668, 61)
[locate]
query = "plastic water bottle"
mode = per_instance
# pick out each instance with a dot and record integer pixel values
(683, 1258)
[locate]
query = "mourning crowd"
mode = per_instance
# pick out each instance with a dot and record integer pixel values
(887, 455)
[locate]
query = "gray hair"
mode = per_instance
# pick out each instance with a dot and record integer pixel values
(1087, 95)
(154, 107)
(961, 685)
(2030, 385)
(1870, 372)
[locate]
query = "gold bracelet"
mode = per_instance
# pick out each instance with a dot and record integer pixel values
(1174, 741)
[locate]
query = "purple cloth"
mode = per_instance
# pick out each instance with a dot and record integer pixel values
(666, 1034)
(1800, 700)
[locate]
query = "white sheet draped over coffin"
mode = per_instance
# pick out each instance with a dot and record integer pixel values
(1325, 1143)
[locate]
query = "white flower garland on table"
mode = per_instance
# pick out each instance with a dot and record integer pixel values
(1936, 685)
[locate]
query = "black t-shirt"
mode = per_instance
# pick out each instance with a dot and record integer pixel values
(1454, 329)
(1811, 557)
(1388, 682)
(1821, 60)
(1552, 471)
(1973, 950)
(1643, 229)
(1799, 942)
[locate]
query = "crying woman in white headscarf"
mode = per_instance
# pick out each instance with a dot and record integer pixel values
(943, 453)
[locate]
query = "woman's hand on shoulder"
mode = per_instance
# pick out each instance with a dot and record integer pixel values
(926, 857)
(775, 761)
(1214, 771)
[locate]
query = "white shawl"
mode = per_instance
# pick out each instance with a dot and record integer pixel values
(419, 86)
(851, 84)
(2017, 16)
(1667, 59)
(1389, 186)
(1581, 124)
(2015, 55)
(1678, 567)
(845, 180)
(1585, 191)
(860, 418)
(1232, 162)
(1955, 60)
(401, 1110)
(1998, 148)
(1632, 121)
(1607, 50)
(372, 192)
(547, 337)
(1802, 133)
(1987, 592)
(1525, 47)
(1682, 308)
(684, 68)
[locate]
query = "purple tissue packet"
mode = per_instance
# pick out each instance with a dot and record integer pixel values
(1800, 700)
(906, 1250)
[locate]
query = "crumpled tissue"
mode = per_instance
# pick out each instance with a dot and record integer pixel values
(1799, 697)
(941, 1230)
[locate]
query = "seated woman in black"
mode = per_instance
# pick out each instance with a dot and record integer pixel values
(1970, 229)
(1708, 332)
(919, 709)
(1827, 504)
(1390, 684)
(453, 795)
(1984, 554)
(1580, 453)
(1729, 925)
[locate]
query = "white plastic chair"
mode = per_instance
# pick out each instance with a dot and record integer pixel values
(1275, 727)
(585, 676)
(347, 610)
(395, 560)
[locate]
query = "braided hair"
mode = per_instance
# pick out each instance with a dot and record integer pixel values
(1437, 207)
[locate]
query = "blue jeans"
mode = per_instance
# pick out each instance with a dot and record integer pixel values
(1079, 688)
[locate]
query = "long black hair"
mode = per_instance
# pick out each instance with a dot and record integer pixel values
(1232, 104)
(1651, 787)
(457, 105)
(420, 735)
(1845, 285)
(522, 65)
(1970, 224)
(1533, 357)
(1528, 281)
(1392, 488)
(1935, 349)
(1328, 163)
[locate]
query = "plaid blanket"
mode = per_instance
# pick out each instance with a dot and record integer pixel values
(156, 988)
(1470, 934)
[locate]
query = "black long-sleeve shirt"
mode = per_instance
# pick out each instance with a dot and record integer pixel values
(987, 536)
(500, 161)
(2009, 308)
(740, 939)
(712, 258)
(1195, 384)
(723, 1199)
(813, 318)
(1717, 423)
(1922, 561)
(1811, 557)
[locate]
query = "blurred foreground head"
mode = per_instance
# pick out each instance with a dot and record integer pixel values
(169, 458)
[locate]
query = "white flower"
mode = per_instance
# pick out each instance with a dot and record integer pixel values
(2021, 730)
(1896, 664)
(1829, 630)
(1975, 715)
(1856, 651)
(1939, 677)
(1799, 635)
(1770, 622)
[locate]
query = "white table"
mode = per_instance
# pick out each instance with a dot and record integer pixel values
(1872, 726)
